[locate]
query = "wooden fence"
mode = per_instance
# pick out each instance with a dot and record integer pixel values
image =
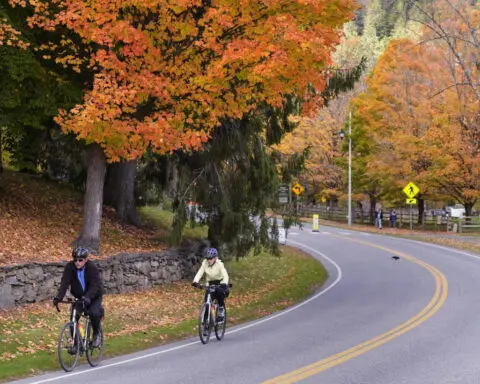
(431, 219)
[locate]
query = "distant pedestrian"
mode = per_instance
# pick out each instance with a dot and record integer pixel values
(393, 219)
(380, 218)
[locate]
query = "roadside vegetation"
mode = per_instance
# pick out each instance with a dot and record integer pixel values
(262, 284)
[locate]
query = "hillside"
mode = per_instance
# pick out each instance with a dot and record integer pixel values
(39, 220)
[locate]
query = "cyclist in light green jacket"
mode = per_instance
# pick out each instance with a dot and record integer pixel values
(216, 274)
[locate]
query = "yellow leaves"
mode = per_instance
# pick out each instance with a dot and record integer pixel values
(10, 37)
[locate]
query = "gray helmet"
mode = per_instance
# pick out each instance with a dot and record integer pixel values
(80, 252)
(211, 253)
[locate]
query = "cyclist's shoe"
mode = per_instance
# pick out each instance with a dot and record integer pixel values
(221, 314)
(72, 349)
(97, 340)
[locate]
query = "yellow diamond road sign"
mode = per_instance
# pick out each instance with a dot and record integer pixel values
(411, 190)
(297, 189)
(411, 201)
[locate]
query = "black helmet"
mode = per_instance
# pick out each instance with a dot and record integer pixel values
(80, 252)
(211, 253)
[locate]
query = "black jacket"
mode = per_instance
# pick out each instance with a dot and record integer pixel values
(93, 282)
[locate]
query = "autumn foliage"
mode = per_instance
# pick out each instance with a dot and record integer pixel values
(10, 37)
(424, 128)
(165, 73)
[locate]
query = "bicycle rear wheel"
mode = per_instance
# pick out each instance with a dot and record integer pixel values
(204, 328)
(94, 354)
(68, 349)
(220, 326)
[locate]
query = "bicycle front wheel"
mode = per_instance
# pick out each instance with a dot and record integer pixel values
(94, 354)
(204, 328)
(68, 348)
(221, 325)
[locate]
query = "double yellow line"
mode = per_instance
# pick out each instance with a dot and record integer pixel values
(437, 300)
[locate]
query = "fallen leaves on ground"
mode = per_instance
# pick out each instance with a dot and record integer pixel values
(34, 327)
(39, 220)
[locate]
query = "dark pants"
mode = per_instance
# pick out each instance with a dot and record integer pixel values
(220, 294)
(95, 311)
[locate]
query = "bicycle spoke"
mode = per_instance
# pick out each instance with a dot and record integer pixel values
(94, 354)
(203, 326)
(68, 350)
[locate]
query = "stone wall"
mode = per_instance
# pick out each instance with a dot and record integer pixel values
(28, 283)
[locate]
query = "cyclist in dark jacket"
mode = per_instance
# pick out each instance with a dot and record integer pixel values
(83, 278)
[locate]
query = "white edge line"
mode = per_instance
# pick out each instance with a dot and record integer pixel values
(454, 250)
(317, 295)
(339, 276)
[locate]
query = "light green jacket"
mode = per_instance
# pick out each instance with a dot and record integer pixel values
(215, 272)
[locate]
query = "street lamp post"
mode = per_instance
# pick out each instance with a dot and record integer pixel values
(342, 135)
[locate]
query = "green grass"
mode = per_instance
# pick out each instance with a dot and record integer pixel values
(162, 221)
(263, 284)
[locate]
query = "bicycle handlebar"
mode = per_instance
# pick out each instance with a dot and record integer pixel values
(204, 286)
(68, 301)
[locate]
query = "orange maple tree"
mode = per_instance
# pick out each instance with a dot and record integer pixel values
(167, 72)
(423, 129)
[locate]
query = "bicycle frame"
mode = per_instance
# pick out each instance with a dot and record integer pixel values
(212, 311)
(208, 315)
(73, 320)
(76, 327)
(79, 343)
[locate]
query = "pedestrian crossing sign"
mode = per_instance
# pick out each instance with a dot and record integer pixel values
(411, 190)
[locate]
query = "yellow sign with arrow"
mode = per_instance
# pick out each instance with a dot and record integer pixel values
(297, 189)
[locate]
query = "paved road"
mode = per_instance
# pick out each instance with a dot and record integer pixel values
(376, 320)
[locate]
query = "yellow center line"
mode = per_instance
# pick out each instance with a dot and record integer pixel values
(438, 299)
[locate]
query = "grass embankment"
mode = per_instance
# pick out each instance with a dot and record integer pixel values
(262, 284)
(39, 219)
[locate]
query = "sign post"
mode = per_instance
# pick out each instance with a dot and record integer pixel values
(283, 194)
(411, 190)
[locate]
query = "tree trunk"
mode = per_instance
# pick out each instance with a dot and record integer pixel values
(468, 212)
(1, 162)
(119, 190)
(373, 212)
(421, 210)
(468, 208)
(172, 177)
(92, 215)
(110, 187)
(215, 231)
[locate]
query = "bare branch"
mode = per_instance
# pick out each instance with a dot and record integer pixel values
(450, 86)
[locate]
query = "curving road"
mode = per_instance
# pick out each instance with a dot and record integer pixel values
(376, 320)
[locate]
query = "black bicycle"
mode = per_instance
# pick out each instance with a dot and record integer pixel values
(76, 339)
(208, 318)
